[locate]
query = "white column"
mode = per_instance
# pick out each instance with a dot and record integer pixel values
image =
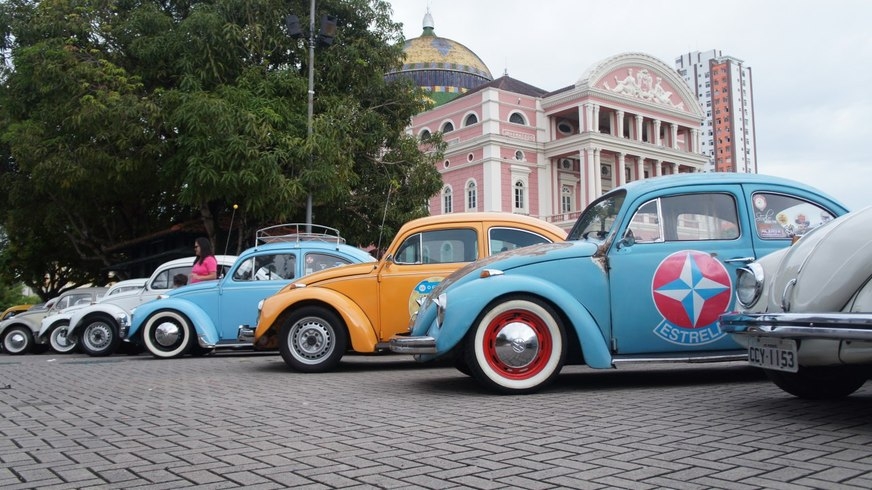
(588, 117)
(657, 132)
(598, 181)
(619, 122)
(658, 168)
(673, 135)
(596, 109)
(639, 127)
(589, 175)
(618, 174)
(640, 168)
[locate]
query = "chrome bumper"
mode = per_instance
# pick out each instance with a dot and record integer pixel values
(245, 333)
(412, 345)
(834, 326)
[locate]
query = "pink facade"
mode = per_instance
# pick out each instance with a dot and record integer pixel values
(520, 149)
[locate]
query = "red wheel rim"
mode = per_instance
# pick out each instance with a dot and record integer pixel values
(543, 336)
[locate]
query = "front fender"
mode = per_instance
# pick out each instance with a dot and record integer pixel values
(468, 301)
(201, 322)
(78, 319)
(360, 328)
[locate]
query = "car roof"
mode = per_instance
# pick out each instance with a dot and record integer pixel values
(702, 178)
(480, 216)
(222, 259)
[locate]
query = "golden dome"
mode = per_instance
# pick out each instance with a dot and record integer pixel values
(442, 65)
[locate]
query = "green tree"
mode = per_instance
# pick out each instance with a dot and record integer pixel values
(118, 118)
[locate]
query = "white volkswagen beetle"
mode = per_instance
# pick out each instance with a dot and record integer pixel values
(807, 317)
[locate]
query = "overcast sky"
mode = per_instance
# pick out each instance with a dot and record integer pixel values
(811, 64)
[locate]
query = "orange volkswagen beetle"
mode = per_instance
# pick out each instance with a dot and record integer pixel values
(359, 307)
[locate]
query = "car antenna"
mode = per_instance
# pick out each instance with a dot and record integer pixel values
(381, 228)
(230, 230)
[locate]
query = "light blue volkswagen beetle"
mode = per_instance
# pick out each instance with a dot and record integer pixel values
(643, 276)
(206, 315)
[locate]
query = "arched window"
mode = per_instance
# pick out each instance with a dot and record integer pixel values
(424, 135)
(520, 196)
(517, 118)
(471, 196)
(446, 200)
(447, 127)
(470, 120)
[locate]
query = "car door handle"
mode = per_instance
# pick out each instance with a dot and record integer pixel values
(740, 260)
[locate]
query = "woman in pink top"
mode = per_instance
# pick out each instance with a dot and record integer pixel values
(205, 265)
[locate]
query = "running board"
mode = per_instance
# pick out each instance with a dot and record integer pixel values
(699, 357)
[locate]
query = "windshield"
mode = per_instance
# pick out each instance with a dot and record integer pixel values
(597, 220)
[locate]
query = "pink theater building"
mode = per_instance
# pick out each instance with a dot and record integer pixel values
(514, 147)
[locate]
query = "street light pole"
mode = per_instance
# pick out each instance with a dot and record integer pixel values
(311, 106)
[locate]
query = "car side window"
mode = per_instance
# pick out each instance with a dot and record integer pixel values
(316, 261)
(439, 247)
(503, 239)
(266, 267)
(782, 216)
(686, 217)
(164, 278)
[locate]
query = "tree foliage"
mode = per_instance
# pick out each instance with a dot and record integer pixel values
(120, 118)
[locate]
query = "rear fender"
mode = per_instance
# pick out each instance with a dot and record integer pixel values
(467, 303)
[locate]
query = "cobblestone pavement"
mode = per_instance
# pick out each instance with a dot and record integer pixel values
(244, 420)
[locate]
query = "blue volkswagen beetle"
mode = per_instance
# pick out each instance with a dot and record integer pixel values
(643, 276)
(206, 315)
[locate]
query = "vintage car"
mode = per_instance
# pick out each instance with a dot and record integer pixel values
(643, 276)
(53, 329)
(806, 315)
(359, 307)
(96, 328)
(13, 310)
(208, 315)
(19, 333)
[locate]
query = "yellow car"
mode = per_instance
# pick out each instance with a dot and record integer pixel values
(359, 307)
(13, 310)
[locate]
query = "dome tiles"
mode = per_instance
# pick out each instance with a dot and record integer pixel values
(443, 66)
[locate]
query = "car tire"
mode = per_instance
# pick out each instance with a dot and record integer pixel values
(99, 337)
(58, 340)
(313, 340)
(517, 346)
(168, 334)
(820, 382)
(18, 340)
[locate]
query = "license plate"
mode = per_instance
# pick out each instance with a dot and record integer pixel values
(777, 354)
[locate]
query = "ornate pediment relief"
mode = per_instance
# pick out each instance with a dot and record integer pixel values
(642, 85)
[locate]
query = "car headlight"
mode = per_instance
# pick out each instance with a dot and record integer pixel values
(749, 285)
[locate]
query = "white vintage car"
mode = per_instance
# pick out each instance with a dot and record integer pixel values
(53, 329)
(96, 328)
(19, 333)
(807, 317)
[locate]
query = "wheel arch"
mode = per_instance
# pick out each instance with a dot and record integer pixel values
(360, 331)
(77, 324)
(199, 320)
(585, 340)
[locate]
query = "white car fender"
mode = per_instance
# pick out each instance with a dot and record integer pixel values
(76, 320)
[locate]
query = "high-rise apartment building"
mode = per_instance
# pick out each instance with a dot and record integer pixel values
(722, 85)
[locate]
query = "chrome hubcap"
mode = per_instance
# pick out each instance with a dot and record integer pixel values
(516, 345)
(16, 341)
(167, 334)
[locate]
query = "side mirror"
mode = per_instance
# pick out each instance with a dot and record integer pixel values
(628, 241)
